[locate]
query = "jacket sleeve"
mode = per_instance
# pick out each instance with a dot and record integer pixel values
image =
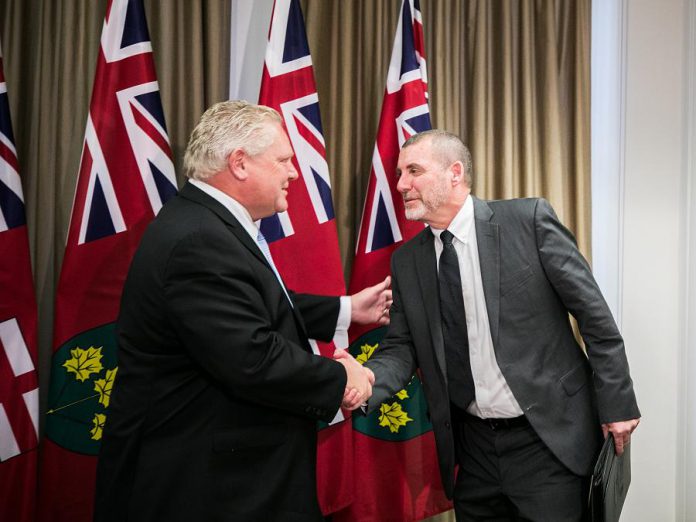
(319, 313)
(216, 304)
(572, 279)
(394, 361)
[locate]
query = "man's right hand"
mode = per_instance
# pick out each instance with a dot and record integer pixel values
(359, 382)
(621, 431)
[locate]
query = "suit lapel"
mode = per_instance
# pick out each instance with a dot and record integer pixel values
(194, 194)
(488, 239)
(426, 268)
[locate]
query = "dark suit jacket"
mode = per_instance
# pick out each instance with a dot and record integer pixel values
(214, 411)
(533, 275)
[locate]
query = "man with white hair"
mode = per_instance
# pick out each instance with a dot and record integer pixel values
(214, 410)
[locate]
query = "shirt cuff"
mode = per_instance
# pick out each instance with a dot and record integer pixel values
(340, 338)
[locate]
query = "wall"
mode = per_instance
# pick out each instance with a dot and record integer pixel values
(643, 231)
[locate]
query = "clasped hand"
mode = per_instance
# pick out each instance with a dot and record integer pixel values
(359, 382)
(621, 431)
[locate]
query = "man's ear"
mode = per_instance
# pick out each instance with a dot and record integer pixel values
(236, 164)
(457, 169)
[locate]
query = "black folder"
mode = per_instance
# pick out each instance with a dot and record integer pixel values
(610, 481)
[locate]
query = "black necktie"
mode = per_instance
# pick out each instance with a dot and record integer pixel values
(454, 332)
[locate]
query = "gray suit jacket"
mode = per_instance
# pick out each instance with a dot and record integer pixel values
(533, 275)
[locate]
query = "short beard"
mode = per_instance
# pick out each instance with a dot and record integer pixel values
(429, 202)
(416, 214)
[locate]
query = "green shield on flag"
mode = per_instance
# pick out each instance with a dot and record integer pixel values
(82, 375)
(404, 416)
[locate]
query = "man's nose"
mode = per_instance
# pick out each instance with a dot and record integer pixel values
(292, 172)
(403, 185)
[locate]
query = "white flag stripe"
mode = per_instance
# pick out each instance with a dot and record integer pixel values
(381, 189)
(308, 158)
(9, 176)
(7, 143)
(99, 170)
(338, 418)
(8, 443)
(276, 44)
(146, 150)
(315, 346)
(31, 401)
(394, 78)
(112, 36)
(285, 223)
(15, 347)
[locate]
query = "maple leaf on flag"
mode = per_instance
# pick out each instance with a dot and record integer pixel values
(103, 387)
(84, 362)
(393, 417)
(366, 352)
(98, 420)
(403, 394)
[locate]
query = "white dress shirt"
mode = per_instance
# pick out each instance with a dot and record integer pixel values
(252, 228)
(493, 395)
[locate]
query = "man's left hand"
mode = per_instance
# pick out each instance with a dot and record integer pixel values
(371, 304)
(621, 431)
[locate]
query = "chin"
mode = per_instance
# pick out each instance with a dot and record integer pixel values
(415, 214)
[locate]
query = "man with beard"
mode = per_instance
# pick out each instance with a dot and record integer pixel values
(481, 303)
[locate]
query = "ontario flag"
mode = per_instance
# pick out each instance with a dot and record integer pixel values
(396, 465)
(303, 240)
(126, 174)
(19, 390)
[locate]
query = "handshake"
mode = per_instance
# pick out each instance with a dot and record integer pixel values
(359, 383)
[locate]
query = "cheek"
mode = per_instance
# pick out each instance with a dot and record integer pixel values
(416, 189)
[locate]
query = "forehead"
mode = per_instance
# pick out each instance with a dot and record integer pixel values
(281, 142)
(419, 153)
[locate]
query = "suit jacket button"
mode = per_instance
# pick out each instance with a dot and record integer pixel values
(447, 424)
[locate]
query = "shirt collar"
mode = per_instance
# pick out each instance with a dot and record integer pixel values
(462, 222)
(235, 207)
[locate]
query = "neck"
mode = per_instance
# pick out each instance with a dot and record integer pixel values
(228, 185)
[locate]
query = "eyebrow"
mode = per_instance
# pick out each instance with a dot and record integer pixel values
(414, 166)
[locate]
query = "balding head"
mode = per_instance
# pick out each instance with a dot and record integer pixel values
(447, 148)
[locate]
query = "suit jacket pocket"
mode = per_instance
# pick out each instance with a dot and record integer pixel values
(575, 379)
(249, 437)
(515, 280)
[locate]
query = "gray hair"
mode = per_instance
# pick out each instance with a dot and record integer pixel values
(223, 128)
(446, 148)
